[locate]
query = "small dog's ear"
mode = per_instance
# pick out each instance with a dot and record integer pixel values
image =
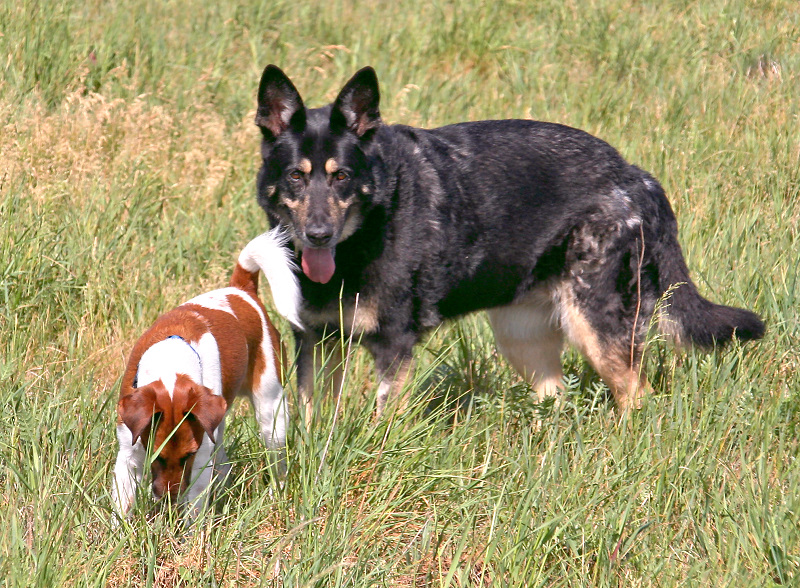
(137, 410)
(356, 107)
(208, 409)
(278, 103)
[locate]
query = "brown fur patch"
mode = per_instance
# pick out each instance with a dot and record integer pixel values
(338, 210)
(304, 166)
(331, 166)
(251, 327)
(299, 212)
(358, 320)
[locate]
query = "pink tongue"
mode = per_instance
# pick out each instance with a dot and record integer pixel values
(318, 264)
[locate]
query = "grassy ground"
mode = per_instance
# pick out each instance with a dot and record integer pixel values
(127, 163)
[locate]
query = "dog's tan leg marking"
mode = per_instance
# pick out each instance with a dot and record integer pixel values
(528, 337)
(359, 319)
(364, 318)
(333, 366)
(305, 378)
(392, 388)
(612, 362)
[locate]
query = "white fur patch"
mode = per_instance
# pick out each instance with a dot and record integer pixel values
(533, 316)
(350, 226)
(384, 389)
(212, 370)
(622, 196)
(165, 360)
(215, 300)
(633, 221)
(268, 253)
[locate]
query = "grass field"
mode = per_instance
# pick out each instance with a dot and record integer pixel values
(127, 166)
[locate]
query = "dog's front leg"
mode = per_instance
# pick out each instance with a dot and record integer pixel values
(394, 364)
(202, 474)
(127, 472)
(306, 343)
(313, 358)
(222, 465)
(391, 386)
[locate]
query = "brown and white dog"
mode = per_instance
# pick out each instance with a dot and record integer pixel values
(185, 371)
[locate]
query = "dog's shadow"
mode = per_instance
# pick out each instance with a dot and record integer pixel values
(450, 393)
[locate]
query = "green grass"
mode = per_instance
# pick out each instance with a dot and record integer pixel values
(127, 165)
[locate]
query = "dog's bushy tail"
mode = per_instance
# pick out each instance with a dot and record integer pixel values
(692, 319)
(269, 254)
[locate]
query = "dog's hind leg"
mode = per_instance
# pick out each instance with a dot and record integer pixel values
(528, 336)
(609, 354)
(306, 371)
(272, 415)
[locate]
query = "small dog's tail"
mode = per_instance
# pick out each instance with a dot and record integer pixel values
(268, 253)
(688, 317)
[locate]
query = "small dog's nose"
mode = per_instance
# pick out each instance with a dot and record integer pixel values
(319, 235)
(166, 490)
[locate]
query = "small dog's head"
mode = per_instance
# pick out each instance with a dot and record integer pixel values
(176, 423)
(316, 178)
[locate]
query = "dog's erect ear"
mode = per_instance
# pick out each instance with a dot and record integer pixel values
(207, 409)
(278, 103)
(356, 107)
(137, 410)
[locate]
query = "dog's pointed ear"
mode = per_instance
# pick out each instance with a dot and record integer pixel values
(356, 107)
(278, 103)
(138, 410)
(207, 409)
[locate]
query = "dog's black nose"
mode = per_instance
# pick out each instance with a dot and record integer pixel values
(319, 235)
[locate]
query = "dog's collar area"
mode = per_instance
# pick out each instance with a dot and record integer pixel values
(199, 359)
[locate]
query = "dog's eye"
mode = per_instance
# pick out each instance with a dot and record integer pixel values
(186, 457)
(295, 175)
(341, 175)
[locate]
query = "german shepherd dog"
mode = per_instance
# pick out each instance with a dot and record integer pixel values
(545, 226)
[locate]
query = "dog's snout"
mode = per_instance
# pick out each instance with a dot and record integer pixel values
(166, 489)
(319, 235)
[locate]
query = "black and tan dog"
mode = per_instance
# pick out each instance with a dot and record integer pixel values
(544, 225)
